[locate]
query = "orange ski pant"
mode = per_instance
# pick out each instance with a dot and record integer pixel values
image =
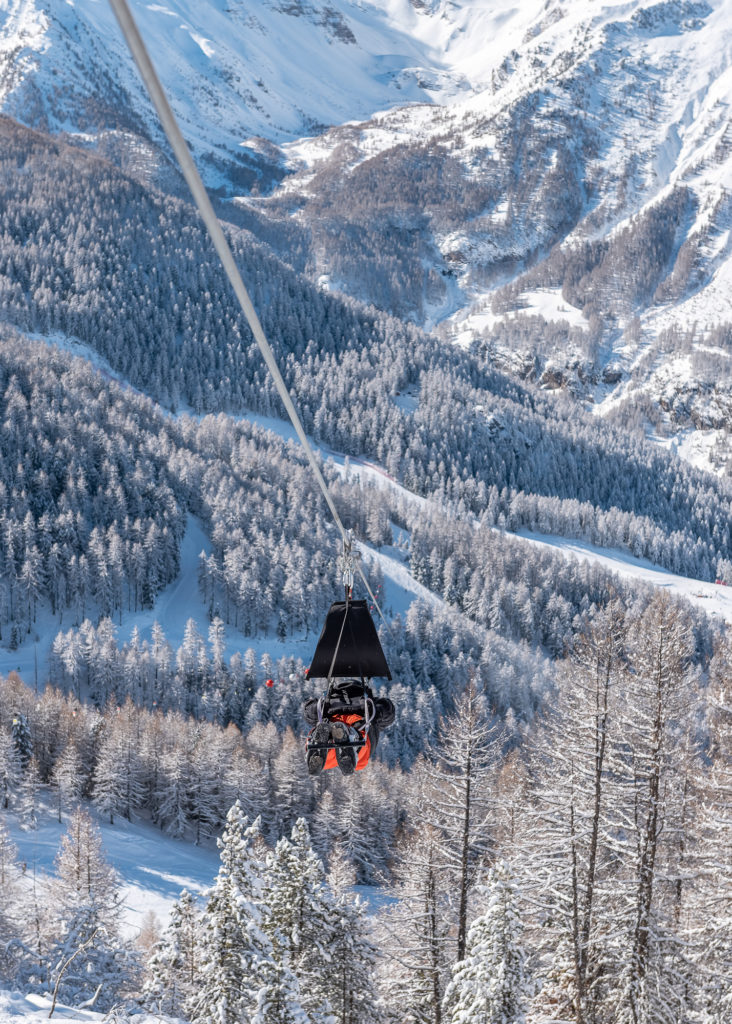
(364, 752)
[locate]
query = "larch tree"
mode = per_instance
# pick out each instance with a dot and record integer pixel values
(459, 805)
(708, 928)
(416, 930)
(656, 716)
(563, 831)
(10, 904)
(88, 958)
(352, 991)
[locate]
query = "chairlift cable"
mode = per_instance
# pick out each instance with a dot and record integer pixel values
(213, 226)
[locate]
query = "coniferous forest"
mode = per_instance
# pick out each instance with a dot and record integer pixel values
(546, 824)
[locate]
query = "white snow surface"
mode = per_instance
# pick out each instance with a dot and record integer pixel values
(181, 599)
(31, 1009)
(342, 80)
(153, 869)
(268, 68)
(713, 598)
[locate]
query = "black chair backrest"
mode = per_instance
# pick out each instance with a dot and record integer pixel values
(359, 654)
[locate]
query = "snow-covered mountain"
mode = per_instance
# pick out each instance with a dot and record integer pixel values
(241, 75)
(548, 181)
(572, 213)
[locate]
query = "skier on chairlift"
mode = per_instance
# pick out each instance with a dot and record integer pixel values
(346, 721)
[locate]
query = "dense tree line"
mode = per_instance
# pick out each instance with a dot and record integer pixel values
(431, 651)
(180, 339)
(98, 486)
(183, 775)
(581, 874)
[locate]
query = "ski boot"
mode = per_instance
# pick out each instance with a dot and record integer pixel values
(314, 756)
(345, 755)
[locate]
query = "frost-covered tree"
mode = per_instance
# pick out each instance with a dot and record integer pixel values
(416, 934)
(172, 976)
(87, 957)
(351, 973)
(279, 996)
(459, 807)
(234, 954)
(707, 918)
(22, 741)
(109, 778)
(67, 778)
(8, 769)
(11, 904)
(566, 830)
(28, 795)
(651, 762)
(490, 985)
(300, 920)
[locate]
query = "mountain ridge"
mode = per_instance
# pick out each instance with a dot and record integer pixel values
(547, 185)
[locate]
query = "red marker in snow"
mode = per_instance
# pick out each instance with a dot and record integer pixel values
(270, 682)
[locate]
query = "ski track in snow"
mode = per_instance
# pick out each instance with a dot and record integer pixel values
(712, 598)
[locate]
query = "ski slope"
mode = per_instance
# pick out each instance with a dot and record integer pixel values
(712, 598)
(153, 868)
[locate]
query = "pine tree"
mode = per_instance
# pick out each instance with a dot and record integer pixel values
(171, 796)
(351, 972)
(87, 954)
(22, 741)
(8, 769)
(109, 779)
(173, 973)
(67, 778)
(28, 790)
(299, 921)
(278, 998)
(417, 930)
(10, 904)
(234, 954)
(489, 986)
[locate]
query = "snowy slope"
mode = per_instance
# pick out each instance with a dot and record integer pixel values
(548, 126)
(590, 124)
(30, 1009)
(153, 869)
(275, 69)
(712, 598)
(181, 599)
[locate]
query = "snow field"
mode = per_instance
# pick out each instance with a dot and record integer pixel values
(153, 868)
